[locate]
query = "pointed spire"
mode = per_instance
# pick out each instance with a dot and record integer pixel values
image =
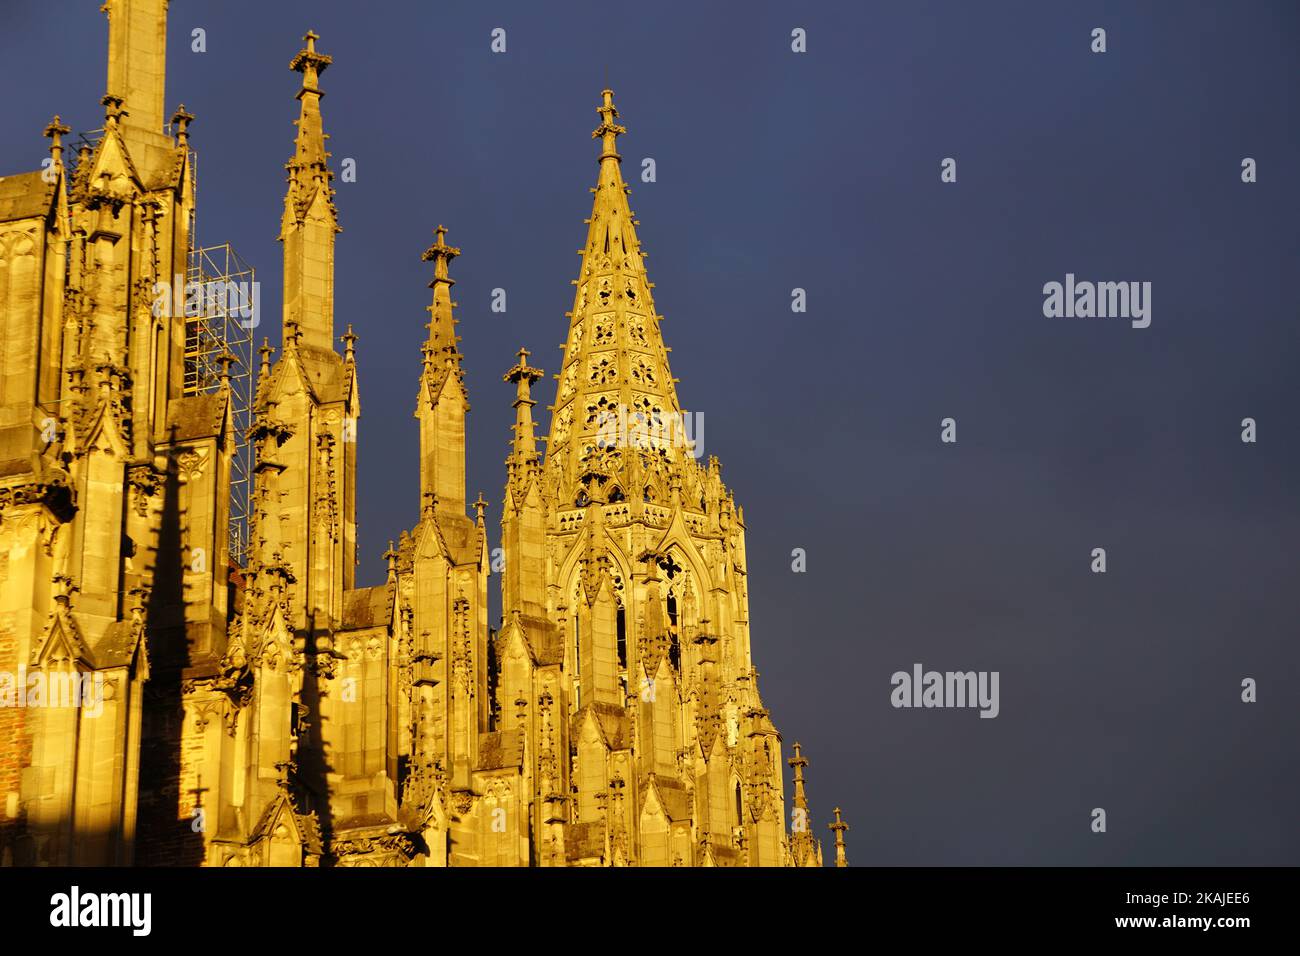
(310, 219)
(522, 375)
(480, 506)
(839, 826)
(615, 367)
(440, 347)
(443, 400)
(309, 145)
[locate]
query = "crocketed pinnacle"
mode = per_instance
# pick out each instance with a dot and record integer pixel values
(522, 375)
(440, 346)
(308, 169)
(310, 220)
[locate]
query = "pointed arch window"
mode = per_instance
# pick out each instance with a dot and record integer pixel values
(622, 639)
(674, 646)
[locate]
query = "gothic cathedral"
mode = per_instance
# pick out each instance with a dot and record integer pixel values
(254, 707)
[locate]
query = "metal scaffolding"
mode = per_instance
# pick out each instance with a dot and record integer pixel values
(221, 298)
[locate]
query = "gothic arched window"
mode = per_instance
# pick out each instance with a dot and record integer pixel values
(622, 638)
(674, 647)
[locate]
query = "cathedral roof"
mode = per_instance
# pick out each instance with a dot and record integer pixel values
(500, 750)
(583, 841)
(196, 416)
(367, 607)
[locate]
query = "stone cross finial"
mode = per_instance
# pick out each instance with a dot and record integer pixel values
(310, 63)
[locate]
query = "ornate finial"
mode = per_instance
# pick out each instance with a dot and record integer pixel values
(839, 826)
(265, 351)
(181, 123)
(480, 505)
(523, 374)
(113, 109)
(608, 131)
(440, 254)
(310, 63)
(226, 359)
(349, 339)
(390, 556)
(56, 131)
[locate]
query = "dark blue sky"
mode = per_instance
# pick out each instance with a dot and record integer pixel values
(821, 171)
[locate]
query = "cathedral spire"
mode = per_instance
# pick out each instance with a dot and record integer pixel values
(615, 388)
(310, 220)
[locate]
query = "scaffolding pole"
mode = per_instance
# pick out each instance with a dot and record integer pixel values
(221, 289)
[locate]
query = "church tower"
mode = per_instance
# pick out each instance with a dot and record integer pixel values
(636, 550)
